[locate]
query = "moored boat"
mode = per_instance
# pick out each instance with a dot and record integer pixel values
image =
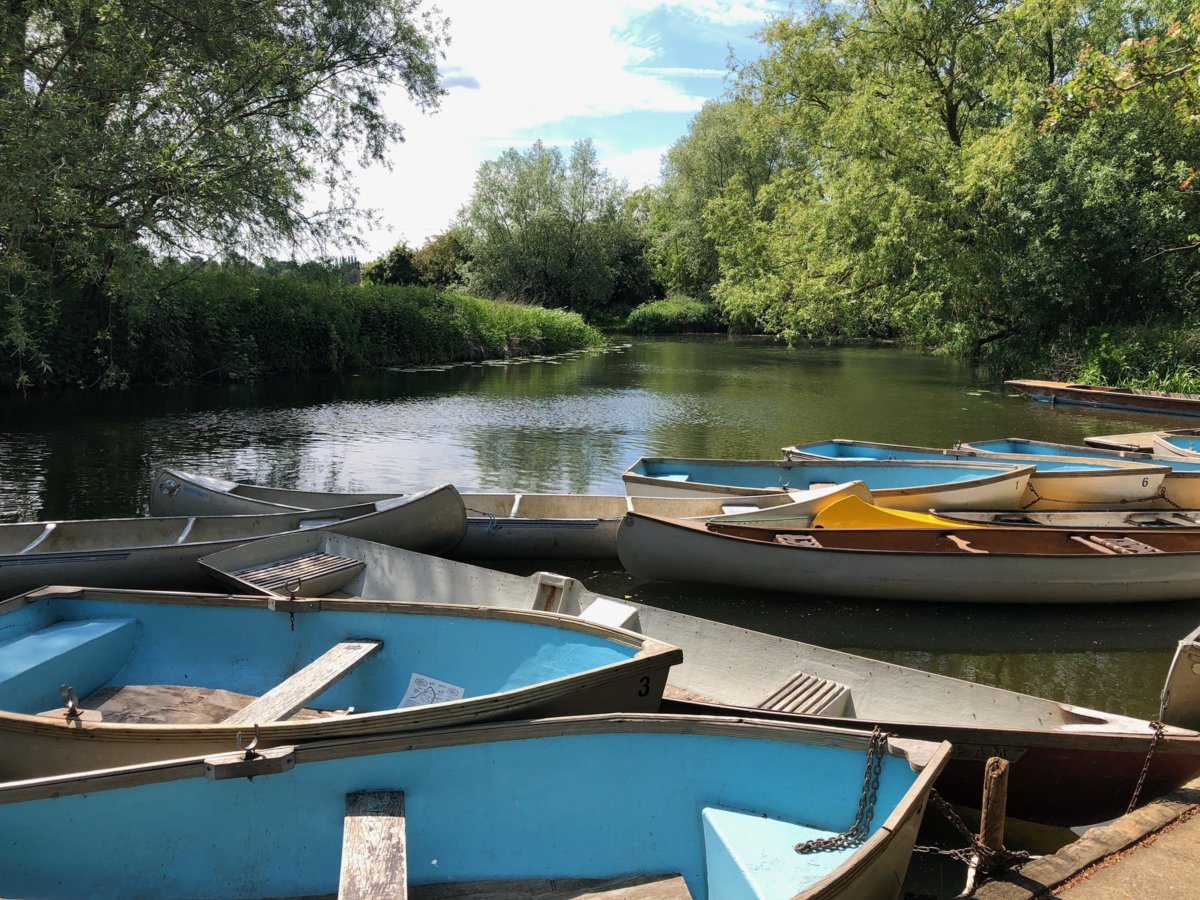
(970, 565)
(901, 484)
(1185, 446)
(684, 807)
(91, 678)
(1070, 764)
(1058, 482)
(1108, 397)
(162, 552)
(498, 525)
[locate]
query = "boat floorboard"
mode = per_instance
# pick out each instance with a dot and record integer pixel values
(628, 887)
(174, 704)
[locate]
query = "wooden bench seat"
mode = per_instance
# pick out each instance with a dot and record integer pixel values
(311, 681)
(374, 852)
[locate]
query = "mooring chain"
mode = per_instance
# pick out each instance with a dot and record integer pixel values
(857, 832)
(992, 859)
(1037, 498)
(1159, 728)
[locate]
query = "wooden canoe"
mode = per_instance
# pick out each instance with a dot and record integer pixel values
(161, 676)
(162, 553)
(498, 525)
(1108, 397)
(690, 807)
(974, 565)
(902, 484)
(1070, 765)
(1058, 482)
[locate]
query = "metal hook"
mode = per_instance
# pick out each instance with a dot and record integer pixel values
(249, 748)
(70, 701)
(293, 588)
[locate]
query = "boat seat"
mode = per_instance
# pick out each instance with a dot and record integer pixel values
(611, 613)
(626, 887)
(374, 851)
(82, 653)
(313, 680)
(808, 695)
(797, 540)
(1123, 544)
(304, 569)
(749, 855)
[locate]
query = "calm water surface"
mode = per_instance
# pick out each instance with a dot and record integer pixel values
(573, 424)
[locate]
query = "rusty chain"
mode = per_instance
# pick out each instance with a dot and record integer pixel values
(1159, 728)
(857, 832)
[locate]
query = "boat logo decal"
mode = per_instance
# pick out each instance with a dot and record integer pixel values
(168, 487)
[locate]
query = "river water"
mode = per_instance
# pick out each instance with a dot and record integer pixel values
(573, 424)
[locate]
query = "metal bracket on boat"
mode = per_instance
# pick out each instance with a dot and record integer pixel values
(291, 604)
(248, 761)
(70, 700)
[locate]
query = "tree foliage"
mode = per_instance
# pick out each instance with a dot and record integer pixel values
(397, 266)
(552, 230)
(184, 126)
(968, 174)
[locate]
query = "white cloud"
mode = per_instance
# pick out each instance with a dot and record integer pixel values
(517, 66)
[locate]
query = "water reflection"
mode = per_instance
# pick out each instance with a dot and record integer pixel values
(574, 424)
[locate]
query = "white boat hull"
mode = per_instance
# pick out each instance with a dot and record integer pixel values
(666, 551)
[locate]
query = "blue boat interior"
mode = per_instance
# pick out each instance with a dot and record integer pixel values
(804, 475)
(1183, 442)
(91, 644)
(850, 450)
(725, 812)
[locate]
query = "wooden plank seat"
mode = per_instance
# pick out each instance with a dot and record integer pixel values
(808, 695)
(797, 540)
(282, 572)
(374, 860)
(311, 681)
(1122, 544)
(628, 887)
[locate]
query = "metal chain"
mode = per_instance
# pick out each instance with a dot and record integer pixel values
(1159, 728)
(857, 832)
(992, 858)
(1077, 503)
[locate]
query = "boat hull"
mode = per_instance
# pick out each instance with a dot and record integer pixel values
(995, 490)
(665, 550)
(572, 798)
(162, 553)
(1108, 398)
(505, 664)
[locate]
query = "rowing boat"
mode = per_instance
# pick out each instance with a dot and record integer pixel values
(1058, 482)
(1177, 446)
(902, 484)
(153, 675)
(498, 525)
(1070, 764)
(162, 553)
(1180, 487)
(607, 806)
(952, 565)
(1108, 397)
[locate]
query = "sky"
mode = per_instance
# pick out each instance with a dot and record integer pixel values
(628, 74)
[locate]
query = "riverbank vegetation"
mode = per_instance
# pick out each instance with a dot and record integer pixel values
(1012, 182)
(237, 323)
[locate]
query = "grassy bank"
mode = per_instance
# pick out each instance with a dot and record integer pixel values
(675, 315)
(240, 326)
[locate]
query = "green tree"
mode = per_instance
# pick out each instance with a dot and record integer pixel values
(397, 266)
(198, 124)
(443, 259)
(549, 230)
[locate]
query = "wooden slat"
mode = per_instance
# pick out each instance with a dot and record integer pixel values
(373, 847)
(299, 568)
(628, 887)
(314, 679)
(802, 693)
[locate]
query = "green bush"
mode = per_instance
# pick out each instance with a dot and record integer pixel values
(1160, 358)
(237, 325)
(675, 315)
